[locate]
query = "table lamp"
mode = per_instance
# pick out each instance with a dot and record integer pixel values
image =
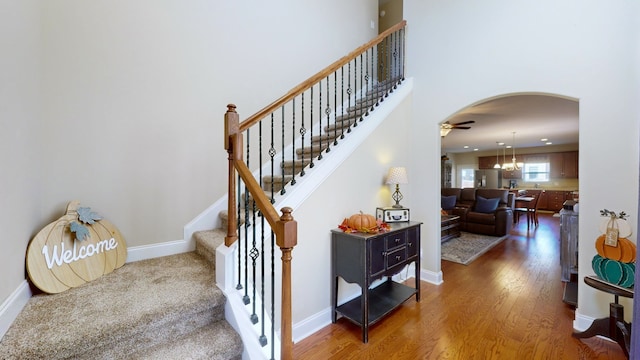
(397, 176)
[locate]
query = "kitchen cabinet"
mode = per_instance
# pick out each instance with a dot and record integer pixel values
(556, 198)
(512, 175)
(486, 162)
(362, 259)
(563, 165)
(543, 201)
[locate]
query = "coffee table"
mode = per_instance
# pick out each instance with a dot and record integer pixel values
(449, 227)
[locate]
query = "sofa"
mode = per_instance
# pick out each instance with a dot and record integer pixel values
(481, 211)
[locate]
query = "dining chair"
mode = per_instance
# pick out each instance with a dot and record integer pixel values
(530, 209)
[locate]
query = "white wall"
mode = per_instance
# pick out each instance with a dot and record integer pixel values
(461, 52)
(20, 137)
(357, 185)
(120, 105)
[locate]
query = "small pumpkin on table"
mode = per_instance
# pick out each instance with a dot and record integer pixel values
(363, 223)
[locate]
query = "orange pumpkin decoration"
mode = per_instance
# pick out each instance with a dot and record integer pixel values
(362, 221)
(625, 251)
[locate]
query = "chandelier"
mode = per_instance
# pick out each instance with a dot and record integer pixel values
(513, 165)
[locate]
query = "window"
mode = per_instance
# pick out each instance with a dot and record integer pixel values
(467, 177)
(536, 172)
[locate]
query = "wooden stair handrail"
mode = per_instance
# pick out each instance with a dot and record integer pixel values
(303, 86)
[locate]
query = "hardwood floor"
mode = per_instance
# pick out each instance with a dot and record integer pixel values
(507, 304)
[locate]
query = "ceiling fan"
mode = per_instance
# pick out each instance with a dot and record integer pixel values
(446, 127)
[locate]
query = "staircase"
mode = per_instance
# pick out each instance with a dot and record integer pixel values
(333, 133)
(162, 308)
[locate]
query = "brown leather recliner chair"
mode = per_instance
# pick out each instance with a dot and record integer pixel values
(496, 222)
(486, 217)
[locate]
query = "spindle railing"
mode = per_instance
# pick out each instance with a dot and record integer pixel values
(281, 142)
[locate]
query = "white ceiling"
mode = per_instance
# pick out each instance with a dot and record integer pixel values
(532, 117)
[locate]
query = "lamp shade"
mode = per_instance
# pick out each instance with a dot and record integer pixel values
(397, 175)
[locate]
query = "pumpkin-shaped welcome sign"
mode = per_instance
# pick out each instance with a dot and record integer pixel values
(73, 250)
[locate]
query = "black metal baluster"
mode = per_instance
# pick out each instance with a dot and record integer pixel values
(404, 52)
(388, 67)
(361, 88)
(349, 92)
(342, 103)
(394, 63)
(327, 112)
(366, 86)
(246, 298)
(272, 153)
(311, 165)
(253, 253)
(355, 92)
(293, 140)
(282, 190)
(302, 132)
(238, 227)
(263, 338)
(320, 117)
(372, 93)
(335, 106)
(273, 296)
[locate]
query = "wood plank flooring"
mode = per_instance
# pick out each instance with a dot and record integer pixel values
(507, 304)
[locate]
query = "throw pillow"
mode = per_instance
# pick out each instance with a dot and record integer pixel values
(486, 206)
(447, 202)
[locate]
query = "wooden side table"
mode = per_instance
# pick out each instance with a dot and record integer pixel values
(362, 259)
(614, 327)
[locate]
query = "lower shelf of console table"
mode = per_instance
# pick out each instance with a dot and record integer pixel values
(382, 300)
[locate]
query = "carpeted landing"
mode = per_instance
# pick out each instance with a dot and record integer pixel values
(163, 308)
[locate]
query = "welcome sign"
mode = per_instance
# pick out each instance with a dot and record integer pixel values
(73, 250)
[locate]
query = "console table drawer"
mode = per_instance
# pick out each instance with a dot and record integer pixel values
(396, 257)
(395, 240)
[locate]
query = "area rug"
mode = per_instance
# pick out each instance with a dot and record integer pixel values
(468, 247)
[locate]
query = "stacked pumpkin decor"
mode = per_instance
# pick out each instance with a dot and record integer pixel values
(363, 223)
(615, 261)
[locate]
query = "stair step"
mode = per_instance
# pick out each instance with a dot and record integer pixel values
(224, 216)
(207, 241)
(140, 305)
(339, 126)
(309, 151)
(295, 166)
(209, 342)
(366, 101)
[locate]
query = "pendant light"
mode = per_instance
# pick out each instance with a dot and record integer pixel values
(497, 165)
(513, 165)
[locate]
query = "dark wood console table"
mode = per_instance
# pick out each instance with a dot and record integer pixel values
(362, 259)
(613, 327)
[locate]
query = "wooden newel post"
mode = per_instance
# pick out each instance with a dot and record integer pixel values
(233, 145)
(286, 239)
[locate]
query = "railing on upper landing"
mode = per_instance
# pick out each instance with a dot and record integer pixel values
(281, 143)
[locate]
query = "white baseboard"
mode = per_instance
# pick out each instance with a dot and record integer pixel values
(12, 306)
(206, 220)
(310, 325)
(582, 322)
(431, 276)
(144, 252)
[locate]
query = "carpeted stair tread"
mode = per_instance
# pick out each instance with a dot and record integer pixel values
(214, 342)
(141, 304)
(207, 241)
